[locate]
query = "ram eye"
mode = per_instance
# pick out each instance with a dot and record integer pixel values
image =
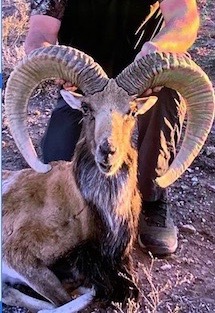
(85, 107)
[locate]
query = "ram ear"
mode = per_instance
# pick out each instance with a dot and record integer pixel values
(73, 99)
(144, 104)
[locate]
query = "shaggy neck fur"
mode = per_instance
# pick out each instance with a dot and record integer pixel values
(112, 198)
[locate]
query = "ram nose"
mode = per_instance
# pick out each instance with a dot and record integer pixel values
(105, 154)
(107, 149)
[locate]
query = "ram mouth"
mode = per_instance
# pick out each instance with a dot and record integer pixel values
(105, 167)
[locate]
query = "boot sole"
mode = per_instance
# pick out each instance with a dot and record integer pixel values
(158, 250)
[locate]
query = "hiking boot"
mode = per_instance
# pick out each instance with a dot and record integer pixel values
(157, 232)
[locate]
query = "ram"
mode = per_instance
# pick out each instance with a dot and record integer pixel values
(76, 221)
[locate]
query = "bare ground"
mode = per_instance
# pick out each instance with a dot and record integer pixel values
(184, 282)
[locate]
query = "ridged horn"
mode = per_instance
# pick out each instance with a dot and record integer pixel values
(46, 63)
(178, 72)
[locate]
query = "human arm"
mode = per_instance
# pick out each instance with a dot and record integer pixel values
(43, 31)
(44, 23)
(180, 30)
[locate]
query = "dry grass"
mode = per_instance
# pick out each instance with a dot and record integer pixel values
(14, 25)
(153, 298)
(155, 292)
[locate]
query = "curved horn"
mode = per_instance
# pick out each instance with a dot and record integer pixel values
(46, 63)
(182, 74)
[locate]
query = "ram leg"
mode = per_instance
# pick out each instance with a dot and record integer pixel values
(14, 297)
(44, 282)
(75, 305)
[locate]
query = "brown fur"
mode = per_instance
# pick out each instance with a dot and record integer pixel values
(34, 209)
(39, 223)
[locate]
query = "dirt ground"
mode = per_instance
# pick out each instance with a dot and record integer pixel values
(185, 281)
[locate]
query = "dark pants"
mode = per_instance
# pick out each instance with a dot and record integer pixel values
(159, 132)
(62, 133)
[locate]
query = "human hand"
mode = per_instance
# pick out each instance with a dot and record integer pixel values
(147, 48)
(66, 85)
(151, 91)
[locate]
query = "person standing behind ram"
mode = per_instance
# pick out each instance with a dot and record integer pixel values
(114, 33)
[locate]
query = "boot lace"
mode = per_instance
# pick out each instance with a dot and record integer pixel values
(156, 213)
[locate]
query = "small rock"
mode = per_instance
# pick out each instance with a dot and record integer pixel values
(185, 187)
(188, 228)
(194, 179)
(166, 267)
(188, 260)
(209, 262)
(36, 113)
(189, 170)
(211, 187)
(3, 143)
(203, 220)
(210, 150)
(181, 203)
(184, 241)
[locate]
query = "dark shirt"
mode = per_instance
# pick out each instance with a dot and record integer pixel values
(104, 29)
